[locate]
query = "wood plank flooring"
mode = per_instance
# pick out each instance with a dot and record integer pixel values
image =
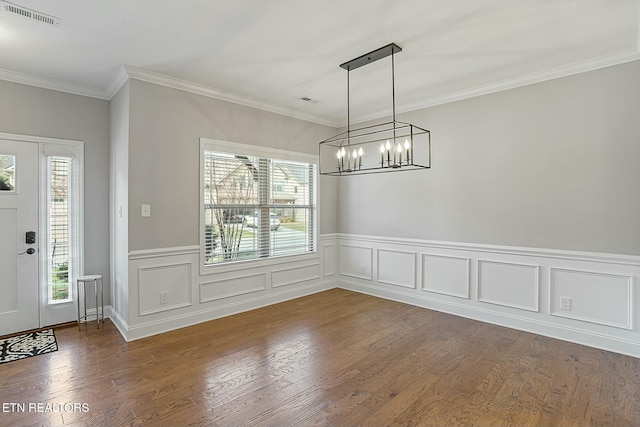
(336, 358)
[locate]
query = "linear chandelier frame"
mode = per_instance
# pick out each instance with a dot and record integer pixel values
(402, 146)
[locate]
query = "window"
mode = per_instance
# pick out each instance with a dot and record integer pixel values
(59, 228)
(271, 213)
(7, 172)
(61, 225)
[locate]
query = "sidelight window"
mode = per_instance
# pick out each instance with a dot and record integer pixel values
(60, 228)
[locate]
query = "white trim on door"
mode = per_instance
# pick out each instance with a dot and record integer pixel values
(58, 313)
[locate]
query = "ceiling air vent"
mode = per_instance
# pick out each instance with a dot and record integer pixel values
(31, 14)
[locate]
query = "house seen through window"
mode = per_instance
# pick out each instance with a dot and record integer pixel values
(7, 172)
(256, 207)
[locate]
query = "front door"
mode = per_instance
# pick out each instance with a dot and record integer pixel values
(18, 236)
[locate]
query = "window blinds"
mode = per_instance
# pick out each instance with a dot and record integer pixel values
(59, 220)
(257, 207)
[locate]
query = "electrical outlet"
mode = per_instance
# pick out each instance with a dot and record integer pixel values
(362, 270)
(164, 297)
(565, 303)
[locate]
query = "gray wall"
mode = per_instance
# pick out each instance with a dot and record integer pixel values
(551, 165)
(29, 110)
(165, 128)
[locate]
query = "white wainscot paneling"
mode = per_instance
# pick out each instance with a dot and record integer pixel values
(446, 275)
(293, 275)
(233, 286)
(329, 259)
(397, 268)
(355, 261)
(174, 279)
(509, 284)
(600, 298)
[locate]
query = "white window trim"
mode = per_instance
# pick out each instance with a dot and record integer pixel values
(252, 150)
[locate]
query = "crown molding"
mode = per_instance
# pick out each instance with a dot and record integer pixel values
(528, 79)
(45, 83)
(126, 72)
(120, 79)
(175, 83)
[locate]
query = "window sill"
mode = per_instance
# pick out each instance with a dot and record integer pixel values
(256, 263)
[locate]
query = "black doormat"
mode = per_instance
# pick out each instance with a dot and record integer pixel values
(27, 345)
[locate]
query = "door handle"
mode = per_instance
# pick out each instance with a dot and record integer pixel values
(29, 251)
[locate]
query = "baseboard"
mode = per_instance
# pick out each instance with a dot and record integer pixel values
(578, 336)
(581, 297)
(119, 323)
(131, 333)
(114, 316)
(108, 312)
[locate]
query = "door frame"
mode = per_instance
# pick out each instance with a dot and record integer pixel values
(65, 147)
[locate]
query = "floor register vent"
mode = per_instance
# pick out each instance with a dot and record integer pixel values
(31, 14)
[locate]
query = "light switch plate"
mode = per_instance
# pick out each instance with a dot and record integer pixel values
(146, 210)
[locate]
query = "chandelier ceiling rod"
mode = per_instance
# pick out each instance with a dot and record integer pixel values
(368, 58)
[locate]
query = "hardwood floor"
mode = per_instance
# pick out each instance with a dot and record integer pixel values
(336, 358)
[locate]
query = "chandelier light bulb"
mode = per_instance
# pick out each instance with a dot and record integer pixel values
(388, 145)
(407, 147)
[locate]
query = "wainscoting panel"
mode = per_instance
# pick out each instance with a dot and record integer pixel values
(328, 259)
(397, 268)
(356, 261)
(196, 294)
(446, 275)
(508, 284)
(172, 280)
(606, 299)
(516, 287)
(212, 290)
(293, 275)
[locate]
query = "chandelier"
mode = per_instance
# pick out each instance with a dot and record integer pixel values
(386, 147)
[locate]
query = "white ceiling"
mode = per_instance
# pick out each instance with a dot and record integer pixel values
(271, 53)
